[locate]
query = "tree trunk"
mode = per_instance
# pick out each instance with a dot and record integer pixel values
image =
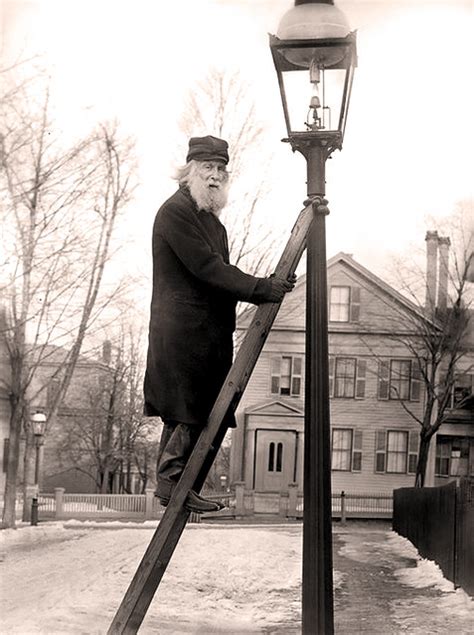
(425, 440)
(9, 509)
(104, 487)
(128, 481)
(29, 459)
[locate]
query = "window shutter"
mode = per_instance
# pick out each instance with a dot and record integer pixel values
(360, 378)
(357, 451)
(415, 384)
(331, 375)
(413, 451)
(355, 304)
(380, 447)
(296, 376)
(275, 375)
(383, 380)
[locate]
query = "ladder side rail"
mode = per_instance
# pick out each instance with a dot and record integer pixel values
(139, 594)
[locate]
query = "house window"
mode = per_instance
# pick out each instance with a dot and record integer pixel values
(399, 379)
(286, 375)
(346, 452)
(396, 451)
(443, 456)
(347, 377)
(341, 450)
(340, 304)
(275, 456)
(462, 388)
(344, 304)
(397, 446)
(452, 456)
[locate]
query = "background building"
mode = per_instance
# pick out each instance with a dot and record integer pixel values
(374, 385)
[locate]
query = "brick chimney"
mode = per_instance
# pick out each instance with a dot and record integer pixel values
(443, 244)
(431, 269)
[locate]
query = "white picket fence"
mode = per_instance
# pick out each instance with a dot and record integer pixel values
(239, 504)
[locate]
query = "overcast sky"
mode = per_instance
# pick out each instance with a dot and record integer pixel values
(408, 151)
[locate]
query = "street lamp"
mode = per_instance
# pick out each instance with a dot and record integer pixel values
(315, 55)
(38, 425)
(30, 508)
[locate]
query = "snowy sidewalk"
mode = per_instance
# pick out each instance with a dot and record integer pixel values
(386, 588)
(233, 579)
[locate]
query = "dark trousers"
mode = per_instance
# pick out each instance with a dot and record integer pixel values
(176, 444)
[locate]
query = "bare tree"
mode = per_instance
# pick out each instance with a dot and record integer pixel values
(435, 333)
(59, 207)
(113, 439)
(221, 104)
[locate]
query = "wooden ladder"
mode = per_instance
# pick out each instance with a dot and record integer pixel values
(139, 595)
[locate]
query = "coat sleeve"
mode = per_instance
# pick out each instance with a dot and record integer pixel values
(185, 237)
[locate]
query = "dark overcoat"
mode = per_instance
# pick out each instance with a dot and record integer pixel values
(195, 292)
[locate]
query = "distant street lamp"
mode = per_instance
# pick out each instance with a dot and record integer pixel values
(315, 56)
(38, 425)
(223, 482)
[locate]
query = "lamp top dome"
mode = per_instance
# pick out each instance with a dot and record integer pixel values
(313, 20)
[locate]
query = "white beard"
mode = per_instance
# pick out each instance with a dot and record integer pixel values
(210, 199)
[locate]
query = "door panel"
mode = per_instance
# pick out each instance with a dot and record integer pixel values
(275, 459)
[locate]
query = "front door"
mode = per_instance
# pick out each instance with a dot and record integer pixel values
(275, 460)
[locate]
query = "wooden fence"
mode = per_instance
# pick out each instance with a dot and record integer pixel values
(289, 504)
(240, 503)
(439, 521)
(63, 506)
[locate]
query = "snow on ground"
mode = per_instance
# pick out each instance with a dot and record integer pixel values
(67, 579)
(428, 574)
(71, 580)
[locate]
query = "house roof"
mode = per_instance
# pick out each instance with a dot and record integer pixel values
(383, 286)
(56, 355)
(295, 302)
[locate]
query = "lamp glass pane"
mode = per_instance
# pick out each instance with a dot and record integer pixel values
(299, 91)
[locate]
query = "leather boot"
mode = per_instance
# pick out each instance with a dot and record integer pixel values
(176, 444)
(193, 503)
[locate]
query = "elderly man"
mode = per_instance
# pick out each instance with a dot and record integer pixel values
(195, 292)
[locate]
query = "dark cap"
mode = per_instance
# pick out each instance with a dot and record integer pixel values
(208, 149)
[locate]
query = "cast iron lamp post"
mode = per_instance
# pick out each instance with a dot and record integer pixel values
(38, 424)
(314, 48)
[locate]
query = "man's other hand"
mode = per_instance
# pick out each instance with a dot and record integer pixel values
(280, 286)
(273, 289)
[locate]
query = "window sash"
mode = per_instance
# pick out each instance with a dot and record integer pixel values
(443, 458)
(341, 450)
(345, 377)
(339, 306)
(397, 452)
(463, 386)
(400, 377)
(286, 375)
